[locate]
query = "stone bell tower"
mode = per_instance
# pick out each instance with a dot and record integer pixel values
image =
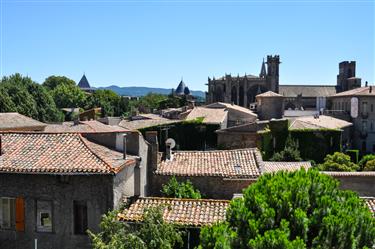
(272, 77)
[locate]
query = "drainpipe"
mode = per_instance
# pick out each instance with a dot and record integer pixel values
(124, 145)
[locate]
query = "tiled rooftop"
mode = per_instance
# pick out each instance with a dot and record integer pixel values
(59, 153)
(270, 167)
(360, 91)
(349, 174)
(240, 163)
(231, 107)
(188, 212)
(15, 121)
(321, 122)
(209, 115)
(269, 94)
(92, 126)
(145, 123)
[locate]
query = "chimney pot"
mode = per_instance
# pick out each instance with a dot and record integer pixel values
(168, 151)
(370, 89)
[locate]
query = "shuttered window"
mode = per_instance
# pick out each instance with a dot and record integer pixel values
(20, 214)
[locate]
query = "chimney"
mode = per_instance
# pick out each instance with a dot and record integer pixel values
(124, 145)
(168, 151)
(366, 84)
(152, 139)
(370, 89)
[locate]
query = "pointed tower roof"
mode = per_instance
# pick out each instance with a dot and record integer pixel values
(84, 83)
(180, 88)
(263, 72)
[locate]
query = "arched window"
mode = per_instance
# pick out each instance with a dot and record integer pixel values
(241, 101)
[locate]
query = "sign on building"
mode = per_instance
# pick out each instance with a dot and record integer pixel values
(354, 107)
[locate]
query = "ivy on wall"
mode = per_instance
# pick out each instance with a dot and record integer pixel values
(189, 135)
(313, 144)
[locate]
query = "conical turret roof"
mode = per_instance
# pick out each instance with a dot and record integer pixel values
(84, 83)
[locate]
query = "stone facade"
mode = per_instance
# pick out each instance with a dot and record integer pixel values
(242, 90)
(97, 191)
(211, 187)
(363, 136)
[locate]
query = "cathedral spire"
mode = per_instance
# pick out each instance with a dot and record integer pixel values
(263, 70)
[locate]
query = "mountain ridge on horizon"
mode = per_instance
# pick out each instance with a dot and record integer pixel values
(138, 91)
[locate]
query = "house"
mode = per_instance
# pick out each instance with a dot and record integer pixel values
(13, 121)
(144, 121)
(55, 186)
(223, 114)
(357, 107)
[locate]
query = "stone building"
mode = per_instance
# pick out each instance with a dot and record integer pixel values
(358, 107)
(55, 186)
(270, 105)
(241, 90)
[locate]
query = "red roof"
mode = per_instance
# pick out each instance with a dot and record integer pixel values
(188, 212)
(240, 163)
(59, 153)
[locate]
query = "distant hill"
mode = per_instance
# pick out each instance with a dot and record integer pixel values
(138, 91)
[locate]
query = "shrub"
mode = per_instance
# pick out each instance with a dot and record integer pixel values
(370, 165)
(175, 189)
(301, 209)
(289, 154)
(338, 162)
(362, 163)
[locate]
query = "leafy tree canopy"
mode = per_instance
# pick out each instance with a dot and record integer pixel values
(54, 81)
(20, 94)
(370, 165)
(302, 209)
(69, 96)
(152, 233)
(150, 102)
(175, 189)
(338, 162)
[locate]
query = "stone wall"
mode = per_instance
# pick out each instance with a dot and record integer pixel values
(363, 185)
(237, 140)
(211, 187)
(96, 190)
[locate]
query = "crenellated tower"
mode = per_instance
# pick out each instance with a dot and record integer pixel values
(272, 77)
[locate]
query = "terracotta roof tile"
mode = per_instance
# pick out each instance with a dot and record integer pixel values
(209, 115)
(145, 123)
(360, 91)
(321, 122)
(213, 163)
(188, 212)
(92, 126)
(350, 174)
(16, 121)
(286, 166)
(269, 94)
(60, 153)
(370, 201)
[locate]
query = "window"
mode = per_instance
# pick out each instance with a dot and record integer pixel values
(372, 125)
(364, 126)
(80, 217)
(372, 107)
(364, 107)
(8, 213)
(12, 213)
(44, 216)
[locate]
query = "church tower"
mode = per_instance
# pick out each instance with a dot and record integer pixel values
(346, 79)
(272, 77)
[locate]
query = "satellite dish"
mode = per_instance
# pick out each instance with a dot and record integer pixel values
(171, 142)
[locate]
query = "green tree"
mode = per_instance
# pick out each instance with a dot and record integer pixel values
(370, 165)
(175, 189)
(20, 94)
(68, 96)
(152, 233)
(150, 102)
(301, 209)
(338, 162)
(362, 163)
(172, 102)
(289, 154)
(54, 81)
(108, 100)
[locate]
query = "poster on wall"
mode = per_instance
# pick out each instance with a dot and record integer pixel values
(354, 107)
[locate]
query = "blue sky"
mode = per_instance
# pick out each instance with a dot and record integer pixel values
(155, 43)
